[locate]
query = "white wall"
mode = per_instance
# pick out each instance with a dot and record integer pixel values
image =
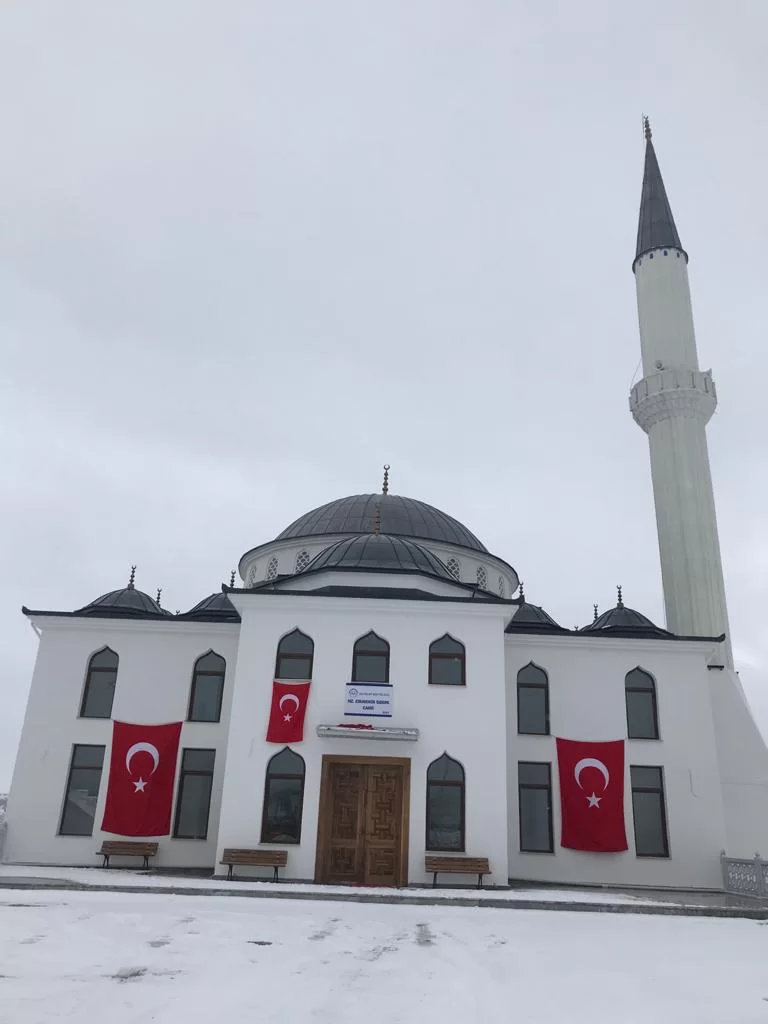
(587, 702)
(467, 722)
(153, 683)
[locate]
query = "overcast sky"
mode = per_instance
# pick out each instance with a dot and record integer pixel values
(250, 251)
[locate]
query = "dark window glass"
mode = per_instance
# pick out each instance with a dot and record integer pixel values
(642, 714)
(532, 701)
(370, 660)
(193, 802)
(100, 679)
(294, 656)
(648, 810)
(283, 798)
(447, 662)
(207, 688)
(445, 805)
(535, 798)
(82, 792)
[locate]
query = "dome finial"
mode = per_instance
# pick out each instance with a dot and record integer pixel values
(647, 128)
(620, 602)
(132, 577)
(385, 485)
(232, 578)
(159, 592)
(522, 590)
(594, 618)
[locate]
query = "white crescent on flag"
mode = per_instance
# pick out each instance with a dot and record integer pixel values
(591, 762)
(289, 696)
(138, 748)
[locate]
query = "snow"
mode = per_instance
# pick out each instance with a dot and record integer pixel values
(131, 958)
(113, 877)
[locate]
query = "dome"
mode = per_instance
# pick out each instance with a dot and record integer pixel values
(380, 553)
(530, 618)
(403, 517)
(127, 602)
(214, 608)
(623, 621)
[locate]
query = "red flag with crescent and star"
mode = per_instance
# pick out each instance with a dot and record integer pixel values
(142, 770)
(592, 795)
(286, 716)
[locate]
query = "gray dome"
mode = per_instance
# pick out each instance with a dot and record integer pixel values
(530, 618)
(403, 517)
(127, 602)
(621, 621)
(214, 608)
(378, 552)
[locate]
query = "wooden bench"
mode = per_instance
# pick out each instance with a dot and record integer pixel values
(458, 866)
(118, 848)
(255, 859)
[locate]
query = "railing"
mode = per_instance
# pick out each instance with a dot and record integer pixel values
(745, 877)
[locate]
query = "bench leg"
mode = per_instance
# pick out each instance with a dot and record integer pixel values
(275, 879)
(146, 863)
(106, 860)
(434, 880)
(229, 872)
(479, 881)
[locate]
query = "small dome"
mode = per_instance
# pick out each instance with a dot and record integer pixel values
(214, 608)
(530, 618)
(403, 517)
(380, 553)
(127, 602)
(623, 621)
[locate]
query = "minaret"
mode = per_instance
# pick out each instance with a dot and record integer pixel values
(673, 403)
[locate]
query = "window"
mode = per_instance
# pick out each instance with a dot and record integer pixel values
(648, 811)
(294, 656)
(482, 578)
(501, 586)
(370, 660)
(302, 561)
(642, 714)
(194, 799)
(99, 692)
(272, 569)
(207, 688)
(445, 805)
(283, 798)
(447, 662)
(534, 785)
(82, 790)
(251, 576)
(532, 701)
(454, 568)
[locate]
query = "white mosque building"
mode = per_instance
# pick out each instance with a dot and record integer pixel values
(378, 690)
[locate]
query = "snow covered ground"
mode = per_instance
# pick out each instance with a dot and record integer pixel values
(117, 958)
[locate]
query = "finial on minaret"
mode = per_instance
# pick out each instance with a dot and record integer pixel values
(385, 485)
(620, 602)
(232, 578)
(522, 591)
(132, 577)
(647, 128)
(594, 619)
(159, 592)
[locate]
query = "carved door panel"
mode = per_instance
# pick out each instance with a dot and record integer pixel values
(383, 820)
(343, 854)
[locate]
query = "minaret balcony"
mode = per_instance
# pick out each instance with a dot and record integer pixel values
(673, 393)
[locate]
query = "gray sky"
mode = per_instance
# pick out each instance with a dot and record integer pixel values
(249, 252)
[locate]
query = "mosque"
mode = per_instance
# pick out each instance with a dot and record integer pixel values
(378, 691)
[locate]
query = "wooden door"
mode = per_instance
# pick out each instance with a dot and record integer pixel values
(362, 831)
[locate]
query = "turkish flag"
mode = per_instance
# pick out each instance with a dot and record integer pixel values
(142, 769)
(286, 716)
(592, 795)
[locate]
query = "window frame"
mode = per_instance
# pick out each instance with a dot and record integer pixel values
(654, 702)
(534, 686)
(662, 793)
(265, 804)
(72, 766)
(535, 786)
(439, 656)
(183, 773)
(366, 653)
(193, 687)
(90, 671)
(310, 657)
(452, 783)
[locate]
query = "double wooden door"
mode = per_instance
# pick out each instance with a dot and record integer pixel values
(362, 836)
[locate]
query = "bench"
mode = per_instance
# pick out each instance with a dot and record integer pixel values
(116, 848)
(255, 859)
(458, 866)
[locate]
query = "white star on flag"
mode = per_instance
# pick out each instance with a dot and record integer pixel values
(594, 801)
(139, 785)
(287, 718)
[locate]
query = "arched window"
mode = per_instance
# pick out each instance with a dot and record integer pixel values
(283, 798)
(532, 701)
(447, 662)
(100, 679)
(207, 688)
(501, 586)
(482, 577)
(445, 805)
(642, 713)
(272, 569)
(251, 576)
(370, 660)
(295, 653)
(302, 561)
(454, 568)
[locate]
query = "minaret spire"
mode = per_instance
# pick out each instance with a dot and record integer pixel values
(656, 226)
